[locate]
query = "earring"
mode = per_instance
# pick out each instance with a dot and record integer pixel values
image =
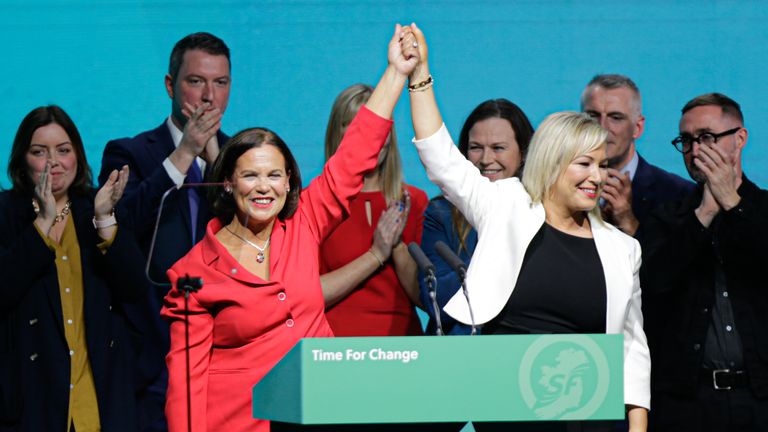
(227, 189)
(287, 188)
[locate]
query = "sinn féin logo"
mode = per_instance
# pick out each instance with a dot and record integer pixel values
(564, 377)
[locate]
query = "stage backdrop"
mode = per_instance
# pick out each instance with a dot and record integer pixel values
(104, 63)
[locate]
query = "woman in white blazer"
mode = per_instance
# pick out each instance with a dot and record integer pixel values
(545, 261)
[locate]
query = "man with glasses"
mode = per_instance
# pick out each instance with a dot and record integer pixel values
(704, 260)
(634, 186)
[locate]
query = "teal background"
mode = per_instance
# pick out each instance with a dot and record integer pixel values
(104, 62)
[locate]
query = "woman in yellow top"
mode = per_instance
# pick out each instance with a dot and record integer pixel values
(65, 361)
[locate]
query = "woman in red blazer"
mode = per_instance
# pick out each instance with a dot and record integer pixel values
(260, 261)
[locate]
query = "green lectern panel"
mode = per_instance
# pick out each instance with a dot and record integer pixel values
(432, 379)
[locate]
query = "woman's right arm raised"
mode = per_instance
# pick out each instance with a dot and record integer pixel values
(424, 112)
(457, 178)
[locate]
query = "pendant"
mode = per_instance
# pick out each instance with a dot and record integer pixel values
(260, 257)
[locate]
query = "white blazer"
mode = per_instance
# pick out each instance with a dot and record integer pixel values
(506, 221)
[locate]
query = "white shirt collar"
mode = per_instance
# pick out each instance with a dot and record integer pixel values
(176, 133)
(631, 167)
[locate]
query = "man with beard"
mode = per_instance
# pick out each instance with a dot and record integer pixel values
(702, 262)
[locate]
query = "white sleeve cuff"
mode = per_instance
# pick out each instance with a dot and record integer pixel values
(173, 172)
(439, 135)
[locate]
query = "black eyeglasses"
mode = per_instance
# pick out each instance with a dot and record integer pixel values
(684, 142)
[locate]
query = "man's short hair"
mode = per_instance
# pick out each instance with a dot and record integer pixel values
(202, 41)
(729, 106)
(610, 82)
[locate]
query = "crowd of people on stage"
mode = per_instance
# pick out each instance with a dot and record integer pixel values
(564, 229)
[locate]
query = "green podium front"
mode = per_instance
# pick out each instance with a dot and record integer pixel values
(440, 379)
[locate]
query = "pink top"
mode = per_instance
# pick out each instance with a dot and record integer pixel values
(240, 325)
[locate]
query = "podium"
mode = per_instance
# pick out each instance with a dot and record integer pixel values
(441, 379)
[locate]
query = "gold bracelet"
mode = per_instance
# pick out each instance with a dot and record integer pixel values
(421, 86)
(381, 263)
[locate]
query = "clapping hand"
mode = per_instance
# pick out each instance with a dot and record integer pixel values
(617, 192)
(389, 229)
(722, 177)
(405, 207)
(109, 194)
(200, 131)
(46, 203)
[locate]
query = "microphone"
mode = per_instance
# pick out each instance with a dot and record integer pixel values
(153, 241)
(451, 258)
(460, 268)
(426, 267)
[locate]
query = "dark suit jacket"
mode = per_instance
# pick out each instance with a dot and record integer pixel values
(678, 269)
(652, 187)
(144, 154)
(34, 355)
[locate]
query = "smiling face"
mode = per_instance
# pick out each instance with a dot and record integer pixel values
(578, 187)
(616, 110)
(51, 144)
(260, 185)
(493, 148)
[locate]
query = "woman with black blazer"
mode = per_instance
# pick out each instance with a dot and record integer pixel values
(65, 266)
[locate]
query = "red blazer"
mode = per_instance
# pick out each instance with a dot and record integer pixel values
(240, 325)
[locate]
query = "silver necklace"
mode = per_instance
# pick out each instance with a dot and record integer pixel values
(261, 249)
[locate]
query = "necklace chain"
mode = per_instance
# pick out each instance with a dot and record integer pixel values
(261, 249)
(60, 215)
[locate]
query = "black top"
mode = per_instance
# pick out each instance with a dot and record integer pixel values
(679, 278)
(560, 289)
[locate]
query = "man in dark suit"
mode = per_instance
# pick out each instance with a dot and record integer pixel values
(176, 152)
(634, 186)
(704, 260)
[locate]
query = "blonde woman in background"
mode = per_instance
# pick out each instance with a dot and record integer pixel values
(369, 280)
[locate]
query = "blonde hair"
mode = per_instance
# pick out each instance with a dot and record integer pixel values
(345, 107)
(559, 139)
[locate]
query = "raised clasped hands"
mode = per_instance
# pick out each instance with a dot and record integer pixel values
(414, 45)
(199, 137)
(403, 52)
(110, 193)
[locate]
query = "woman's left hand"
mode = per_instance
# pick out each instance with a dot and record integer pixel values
(403, 52)
(109, 194)
(403, 220)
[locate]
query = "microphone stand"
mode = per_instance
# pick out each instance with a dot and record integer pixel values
(426, 266)
(431, 281)
(188, 284)
(463, 278)
(460, 268)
